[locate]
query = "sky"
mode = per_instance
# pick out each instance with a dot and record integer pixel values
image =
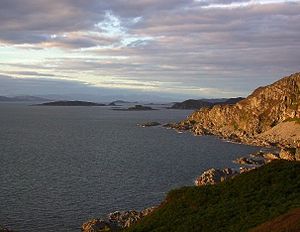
(151, 49)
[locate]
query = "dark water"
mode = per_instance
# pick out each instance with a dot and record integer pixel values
(61, 166)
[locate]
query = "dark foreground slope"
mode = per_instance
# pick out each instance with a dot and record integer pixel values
(236, 205)
(289, 222)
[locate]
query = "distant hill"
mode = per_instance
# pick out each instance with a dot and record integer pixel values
(71, 103)
(192, 104)
(23, 99)
(120, 102)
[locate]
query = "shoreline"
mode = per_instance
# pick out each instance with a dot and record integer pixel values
(212, 176)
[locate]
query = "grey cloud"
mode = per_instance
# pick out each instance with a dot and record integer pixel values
(190, 46)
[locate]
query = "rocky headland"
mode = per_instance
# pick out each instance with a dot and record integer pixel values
(268, 117)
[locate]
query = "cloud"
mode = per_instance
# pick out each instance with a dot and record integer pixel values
(172, 45)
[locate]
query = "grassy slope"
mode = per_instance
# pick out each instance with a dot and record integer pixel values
(235, 205)
(289, 222)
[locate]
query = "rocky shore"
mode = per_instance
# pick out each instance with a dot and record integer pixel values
(269, 117)
(116, 221)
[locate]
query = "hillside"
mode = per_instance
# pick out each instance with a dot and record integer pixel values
(192, 104)
(22, 99)
(237, 205)
(265, 108)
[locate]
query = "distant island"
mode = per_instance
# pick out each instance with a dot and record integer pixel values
(192, 104)
(121, 102)
(24, 98)
(71, 103)
(136, 108)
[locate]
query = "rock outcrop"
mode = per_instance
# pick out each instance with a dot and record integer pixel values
(215, 176)
(116, 221)
(244, 121)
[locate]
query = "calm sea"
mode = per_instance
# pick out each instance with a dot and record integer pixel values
(61, 166)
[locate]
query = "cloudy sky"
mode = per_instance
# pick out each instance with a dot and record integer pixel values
(164, 48)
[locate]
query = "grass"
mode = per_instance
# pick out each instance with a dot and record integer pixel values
(236, 205)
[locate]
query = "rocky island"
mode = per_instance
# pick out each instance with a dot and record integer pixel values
(71, 103)
(136, 108)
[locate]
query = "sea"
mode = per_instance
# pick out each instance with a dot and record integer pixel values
(61, 166)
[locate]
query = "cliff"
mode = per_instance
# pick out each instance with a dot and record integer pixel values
(261, 111)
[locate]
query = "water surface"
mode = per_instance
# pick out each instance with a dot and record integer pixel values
(61, 166)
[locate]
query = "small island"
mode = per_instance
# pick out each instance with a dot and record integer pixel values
(148, 124)
(71, 103)
(136, 108)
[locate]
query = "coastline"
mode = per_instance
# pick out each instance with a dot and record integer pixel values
(212, 176)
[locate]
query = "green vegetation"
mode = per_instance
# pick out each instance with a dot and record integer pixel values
(297, 120)
(236, 205)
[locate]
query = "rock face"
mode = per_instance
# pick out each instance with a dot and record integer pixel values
(215, 176)
(116, 221)
(265, 108)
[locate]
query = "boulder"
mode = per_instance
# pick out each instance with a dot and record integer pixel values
(287, 154)
(215, 176)
(98, 225)
(250, 161)
(271, 156)
(246, 169)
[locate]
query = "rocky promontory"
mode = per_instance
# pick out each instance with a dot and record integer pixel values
(260, 119)
(214, 176)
